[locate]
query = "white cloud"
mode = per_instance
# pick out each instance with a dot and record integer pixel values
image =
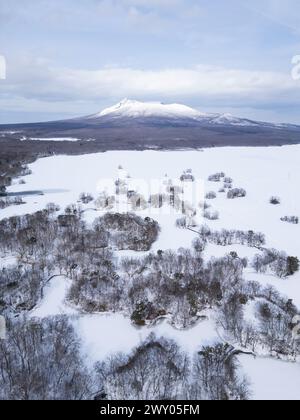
(39, 80)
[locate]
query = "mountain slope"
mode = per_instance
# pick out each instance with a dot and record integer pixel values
(134, 109)
(134, 125)
(151, 111)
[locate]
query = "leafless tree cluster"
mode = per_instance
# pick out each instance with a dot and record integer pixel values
(46, 242)
(40, 360)
(230, 237)
(129, 231)
(278, 262)
(11, 201)
(159, 370)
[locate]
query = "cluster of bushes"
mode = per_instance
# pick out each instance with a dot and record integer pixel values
(216, 177)
(211, 215)
(290, 219)
(86, 198)
(187, 176)
(236, 193)
(15, 201)
(211, 195)
(228, 183)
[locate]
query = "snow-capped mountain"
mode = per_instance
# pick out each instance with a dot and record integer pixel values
(131, 109)
(135, 109)
(134, 125)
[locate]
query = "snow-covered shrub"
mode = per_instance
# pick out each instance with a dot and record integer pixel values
(216, 177)
(86, 198)
(211, 195)
(228, 180)
(187, 176)
(236, 193)
(211, 215)
(227, 186)
(290, 219)
(52, 208)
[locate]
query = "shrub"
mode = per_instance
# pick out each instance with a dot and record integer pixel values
(275, 200)
(86, 198)
(216, 177)
(236, 193)
(211, 195)
(290, 219)
(211, 215)
(292, 265)
(181, 223)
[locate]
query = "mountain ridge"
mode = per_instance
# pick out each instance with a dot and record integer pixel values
(134, 125)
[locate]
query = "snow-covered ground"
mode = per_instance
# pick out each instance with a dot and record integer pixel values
(54, 300)
(271, 379)
(263, 172)
(50, 139)
(103, 335)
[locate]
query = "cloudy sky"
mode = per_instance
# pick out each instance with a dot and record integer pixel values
(69, 58)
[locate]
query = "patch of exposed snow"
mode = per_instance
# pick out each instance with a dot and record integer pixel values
(129, 108)
(70, 139)
(271, 379)
(54, 300)
(103, 335)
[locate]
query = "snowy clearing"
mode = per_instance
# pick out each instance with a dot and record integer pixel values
(50, 139)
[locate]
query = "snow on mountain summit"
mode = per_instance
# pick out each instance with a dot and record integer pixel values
(135, 109)
(131, 109)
